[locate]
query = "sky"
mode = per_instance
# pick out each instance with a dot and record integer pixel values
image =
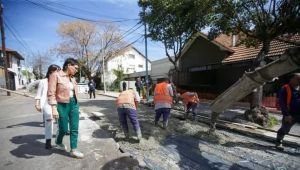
(31, 28)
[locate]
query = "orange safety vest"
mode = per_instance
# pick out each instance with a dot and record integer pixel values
(126, 97)
(187, 98)
(161, 94)
(288, 89)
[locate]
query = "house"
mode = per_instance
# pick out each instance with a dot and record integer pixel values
(160, 68)
(14, 69)
(211, 66)
(130, 60)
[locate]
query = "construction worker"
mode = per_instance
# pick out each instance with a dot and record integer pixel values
(190, 101)
(127, 103)
(289, 101)
(163, 99)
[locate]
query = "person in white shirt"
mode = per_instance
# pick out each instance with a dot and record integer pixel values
(41, 105)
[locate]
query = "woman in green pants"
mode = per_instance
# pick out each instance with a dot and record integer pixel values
(62, 96)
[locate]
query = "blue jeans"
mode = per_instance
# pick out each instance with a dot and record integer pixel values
(132, 115)
(286, 127)
(192, 107)
(162, 111)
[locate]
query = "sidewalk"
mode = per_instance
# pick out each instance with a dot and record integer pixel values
(235, 114)
(22, 142)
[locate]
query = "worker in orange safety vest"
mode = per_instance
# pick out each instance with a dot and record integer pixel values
(289, 100)
(127, 103)
(190, 101)
(163, 99)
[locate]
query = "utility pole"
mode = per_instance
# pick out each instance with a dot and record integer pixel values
(40, 67)
(103, 67)
(5, 57)
(146, 55)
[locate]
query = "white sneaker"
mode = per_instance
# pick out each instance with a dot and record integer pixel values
(76, 154)
(61, 147)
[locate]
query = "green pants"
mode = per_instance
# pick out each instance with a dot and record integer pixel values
(68, 113)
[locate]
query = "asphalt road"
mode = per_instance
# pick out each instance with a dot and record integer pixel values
(22, 142)
(180, 149)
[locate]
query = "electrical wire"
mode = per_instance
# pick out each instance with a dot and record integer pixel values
(17, 37)
(72, 16)
(60, 6)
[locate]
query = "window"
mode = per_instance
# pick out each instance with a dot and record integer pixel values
(2, 61)
(140, 65)
(19, 63)
(131, 56)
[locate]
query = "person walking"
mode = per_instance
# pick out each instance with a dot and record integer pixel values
(92, 88)
(138, 85)
(289, 101)
(163, 99)
(127, 103)
(41, 105)
(124, 85)
(63, 97)
(190, 101)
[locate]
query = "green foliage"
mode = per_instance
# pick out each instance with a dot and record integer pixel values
(119, 73)
(173, 22)
(26, 73)
(272, 122)
(260, 21)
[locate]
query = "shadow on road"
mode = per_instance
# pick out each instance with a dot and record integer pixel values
(30, 146)
(33, 124)
(121, 163)
(259, 147)
(191, 155)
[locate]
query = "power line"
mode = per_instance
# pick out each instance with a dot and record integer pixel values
(16, 36)
(60, 5)
(70, 15)
(127, 33)
(133, 42)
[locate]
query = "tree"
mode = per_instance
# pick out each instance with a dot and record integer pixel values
(261, 21)
(78, 41)
(40, 62)
(119, 73)
(173, 22)
(110, 42)
(91, 43)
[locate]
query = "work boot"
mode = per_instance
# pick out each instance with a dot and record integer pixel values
(126, 135)
(194, 117)
(165, 125)
(139, 134)
(48, 144)
(279, 145)
(76, 154)
(156, 123)
(186, 115)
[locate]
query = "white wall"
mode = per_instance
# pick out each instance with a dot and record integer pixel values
(160, 68)
(131, 61)
(17, 70)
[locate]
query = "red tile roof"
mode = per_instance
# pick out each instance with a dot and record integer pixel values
(242, 53)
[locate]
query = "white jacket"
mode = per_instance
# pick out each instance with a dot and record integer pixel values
(42, 93)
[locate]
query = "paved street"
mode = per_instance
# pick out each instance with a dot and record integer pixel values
(185, 145)
(22, 142)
